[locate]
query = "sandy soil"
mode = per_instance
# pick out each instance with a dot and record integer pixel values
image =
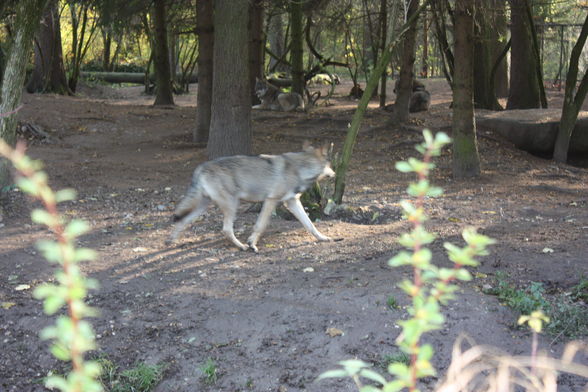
(263, 318)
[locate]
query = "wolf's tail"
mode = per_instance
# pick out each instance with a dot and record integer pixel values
(191, 200)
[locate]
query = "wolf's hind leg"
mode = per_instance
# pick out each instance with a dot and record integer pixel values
(186, 220)
(229, 209)
(295, 207)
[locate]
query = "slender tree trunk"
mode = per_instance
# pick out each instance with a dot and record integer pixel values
(425, 60)
(204, 27)
(404, 92)
(28, 17)
(498, 31)
(439, 9)
(466, 162)
(256, 45)
(342, 164)
(524, 84)
(276, 43)
(164, 94)
(572, 104)
(296, 43)
(383, 37)
(230, 126)
(49, 72)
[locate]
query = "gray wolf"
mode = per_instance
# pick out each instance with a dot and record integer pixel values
(272, 98)
(268, 178)
(420, 99)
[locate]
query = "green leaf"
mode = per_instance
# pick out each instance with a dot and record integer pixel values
(75, 228)
(56, 382)
(403, 167)
(52, 304)
(394, 386)
(337, 373)
(372, 375)
(399, 370)
(59, 351)
(434, 191)
(65, 195)
(27, 186)
(43, 217)
(50, 250)
(84, 254)
(402, 258)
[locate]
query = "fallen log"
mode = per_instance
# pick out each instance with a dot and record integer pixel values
(128, 77)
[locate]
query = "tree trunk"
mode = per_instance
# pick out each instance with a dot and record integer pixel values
(296, 40)
(230, 126)
(499, 30)
(572, 104)
(439, 8)
(276, 43)
(49, 73)
(164, 93)
(383, 37)
(524, 85)
(343, 162)
(484, 96)
(205, 30)
(404, 92)
(256, 45)
(28, 17)
(466, 162)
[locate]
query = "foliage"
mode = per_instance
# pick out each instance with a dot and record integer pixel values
(567, 313)
(71, 335)
(209, 372)
(431, 286)
(140, 378)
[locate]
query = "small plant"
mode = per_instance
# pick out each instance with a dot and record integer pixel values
(431, 286)
(140, 378)
(580, 291)
(71, 335)
(399, 357)
(392, 303)
(209, 372)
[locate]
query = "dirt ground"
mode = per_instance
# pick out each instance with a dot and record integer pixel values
(263, 318)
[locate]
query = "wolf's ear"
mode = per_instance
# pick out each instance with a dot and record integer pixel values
(307, 147)
(324, 150)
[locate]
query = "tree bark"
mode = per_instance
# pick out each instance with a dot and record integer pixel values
(275, 38)
(49, 72)
(524, 84)
(498, 31)
(466, 161)
(230, 126)
(404, 92)
(484, 44)
(205, 30)
(256, 45)
(296, 39)
(572, 104)
(164, 94)
(28, 17)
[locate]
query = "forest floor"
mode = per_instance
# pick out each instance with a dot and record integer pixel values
(276, 320)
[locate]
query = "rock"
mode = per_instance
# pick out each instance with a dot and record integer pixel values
(533, 130)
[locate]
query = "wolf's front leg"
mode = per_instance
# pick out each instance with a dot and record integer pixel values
(261, 223)
(295, 207)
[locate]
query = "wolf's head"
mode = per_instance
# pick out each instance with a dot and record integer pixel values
(317, 164)
(263, 88)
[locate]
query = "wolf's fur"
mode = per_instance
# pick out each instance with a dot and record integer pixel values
(268, 178)
(273, 99)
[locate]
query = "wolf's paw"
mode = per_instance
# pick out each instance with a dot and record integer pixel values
(324, 238)
(252, 247)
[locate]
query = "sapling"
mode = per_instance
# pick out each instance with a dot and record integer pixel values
(431, 286)
(72, 336)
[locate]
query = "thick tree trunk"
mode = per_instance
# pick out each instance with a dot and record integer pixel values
(572, 104)
(524, 85)
(296, 41)
(28, 16)
(404, 92)
(466, 162)
(230, 126)
(49, 73)
(164, 94)
(204, 27)
(256, 44)
(484, 44)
